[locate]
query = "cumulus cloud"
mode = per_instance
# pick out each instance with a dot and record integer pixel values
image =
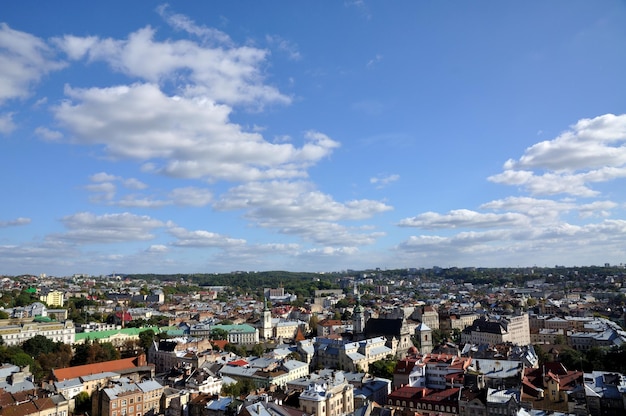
(15, 222)
(104, 189)
(140, 201)
(191, 196)
(464, 218)
(6, 123)
(591, 151)
(157, 248)
(384, 180)
(533, 245)
(24, 59)
(225, 73)
(48, 134)
(87, 227)
(202, 238)
(193, 136)
(298, 208)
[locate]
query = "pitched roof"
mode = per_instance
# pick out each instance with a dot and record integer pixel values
(379, 326)
(61, 374)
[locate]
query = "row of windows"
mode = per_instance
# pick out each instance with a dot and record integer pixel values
(424, 406)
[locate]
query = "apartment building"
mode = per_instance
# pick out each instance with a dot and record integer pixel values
(13, 335)
(498, 330)
(126, 398)
(333, 397)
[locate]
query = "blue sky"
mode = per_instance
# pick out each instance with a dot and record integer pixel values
(196, 137)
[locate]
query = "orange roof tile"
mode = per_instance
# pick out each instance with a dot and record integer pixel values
(61, 374)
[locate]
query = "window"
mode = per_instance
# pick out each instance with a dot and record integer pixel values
(124, 403)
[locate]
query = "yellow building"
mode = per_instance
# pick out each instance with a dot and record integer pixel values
(334, 397)
(54, 298)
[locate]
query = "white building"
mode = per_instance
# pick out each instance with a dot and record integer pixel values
(55, 331)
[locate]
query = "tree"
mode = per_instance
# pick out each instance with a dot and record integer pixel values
(146, 338)
(38, 344)
(383, 368)
(61, 357)
(219, 334)
(82, 403)
(238, 389)
(258, 350)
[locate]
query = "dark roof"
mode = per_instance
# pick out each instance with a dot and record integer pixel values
(168, 346)
(385, 327)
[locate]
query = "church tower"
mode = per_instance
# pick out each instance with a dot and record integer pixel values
(266, 317)
(425, 335)
(358, 316)
(358, 319)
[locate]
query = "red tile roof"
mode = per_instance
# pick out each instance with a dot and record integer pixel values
(61, 374)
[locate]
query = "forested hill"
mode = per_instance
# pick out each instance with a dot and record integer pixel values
(297, 283)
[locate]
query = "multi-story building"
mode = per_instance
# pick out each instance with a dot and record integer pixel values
(350, 356)
(458, 321)
(242, 334)
(125, 398)
(56, 331)
(34, 403)
(429, 370)
(425, 401)
(605, 393)
(427, 315)
(53, 298)
(498, 330)
(167, 354)
(333, 397)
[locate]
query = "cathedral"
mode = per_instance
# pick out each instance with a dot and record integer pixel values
(391, 325)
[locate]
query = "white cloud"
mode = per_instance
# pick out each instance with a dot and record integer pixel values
(48, 134)
(103, 177)
(193, 136)
(285, 46)
(157, 248)
(296, 208)
(15, 222)
(202, 238)
(105, 191)
(24, 59)
(6, 123)
(132, 183)
(384, 180)
(331, 251)
(592, 151)
(464, 218)
(191, 196)
(86, 227)
(138, 201)
(226, 73)
(184, 23)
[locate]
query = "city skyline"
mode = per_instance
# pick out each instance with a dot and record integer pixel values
(198, 138)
